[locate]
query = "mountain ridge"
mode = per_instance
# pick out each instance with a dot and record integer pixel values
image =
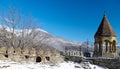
(48, 40)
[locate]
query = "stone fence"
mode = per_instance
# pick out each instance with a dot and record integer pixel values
(109, 63)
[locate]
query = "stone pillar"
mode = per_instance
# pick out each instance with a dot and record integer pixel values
(115, 49)
(96, 49)
(99, 47)
(102, 46)
(112, 48)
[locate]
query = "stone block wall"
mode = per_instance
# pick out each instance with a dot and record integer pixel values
(31, 55)
(109, 63)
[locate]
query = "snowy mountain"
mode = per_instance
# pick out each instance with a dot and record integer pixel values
(48, 40)
(53, 41)
(60, 43)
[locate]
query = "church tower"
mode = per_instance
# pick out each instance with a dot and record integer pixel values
(105, 40)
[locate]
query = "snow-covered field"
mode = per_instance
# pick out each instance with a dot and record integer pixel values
(31, 65)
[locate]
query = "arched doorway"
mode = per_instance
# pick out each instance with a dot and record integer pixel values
(38, 59)
(6, 55)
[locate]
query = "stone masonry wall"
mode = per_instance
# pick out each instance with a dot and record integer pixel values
(18, 54)
(109, 63)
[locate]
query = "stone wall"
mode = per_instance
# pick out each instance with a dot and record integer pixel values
(109, 63)
(32, 55)
(74, 59)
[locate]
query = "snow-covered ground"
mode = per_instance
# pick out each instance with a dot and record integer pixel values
(32, 65)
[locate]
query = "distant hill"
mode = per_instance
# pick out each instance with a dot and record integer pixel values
(52, 42)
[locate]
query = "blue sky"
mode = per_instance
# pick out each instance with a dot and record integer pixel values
(75, 20)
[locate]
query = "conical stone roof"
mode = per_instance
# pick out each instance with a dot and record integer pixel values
(105, 29)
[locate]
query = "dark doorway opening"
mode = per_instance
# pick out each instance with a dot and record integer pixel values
(26, 56)
(6, 55)
(87, 54)
(38, 59)
(47, 58)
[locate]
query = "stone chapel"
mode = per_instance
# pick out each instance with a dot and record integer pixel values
(105, 40)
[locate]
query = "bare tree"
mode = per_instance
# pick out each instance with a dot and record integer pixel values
(14, 22)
